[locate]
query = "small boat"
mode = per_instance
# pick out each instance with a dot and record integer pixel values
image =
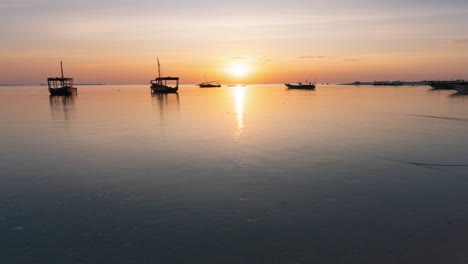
(212, 84)
(61, 85)
(387, 83)
(160, 85)
(305, 86)
(445, 85)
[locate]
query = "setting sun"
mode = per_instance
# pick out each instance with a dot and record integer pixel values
(239, 70)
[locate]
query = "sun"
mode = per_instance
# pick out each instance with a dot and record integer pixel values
(239, 69)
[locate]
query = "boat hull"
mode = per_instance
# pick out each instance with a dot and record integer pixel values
(461, 88)
(209, 85)
(445, 85)
(68, 90)
(163, 89)
(300, 86)
(385, 83)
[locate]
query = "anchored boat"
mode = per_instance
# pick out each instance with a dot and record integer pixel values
(305, 86)
(160, 84)
(212, 84)
(61, 85)
(387, 83)
(446, 85)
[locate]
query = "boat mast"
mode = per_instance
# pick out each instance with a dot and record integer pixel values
(61, 68)
(159, 69)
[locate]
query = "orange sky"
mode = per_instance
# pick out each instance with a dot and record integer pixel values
(272, 41)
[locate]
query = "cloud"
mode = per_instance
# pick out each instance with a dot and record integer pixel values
(329, 58)
(314, 57)
(353, 59)
(457, 43)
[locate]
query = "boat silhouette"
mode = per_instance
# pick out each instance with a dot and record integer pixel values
(160, 84)
(300, 85)
(446, 85)
(211, 84)
(61, 85)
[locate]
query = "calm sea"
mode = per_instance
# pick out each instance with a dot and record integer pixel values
(247, 174)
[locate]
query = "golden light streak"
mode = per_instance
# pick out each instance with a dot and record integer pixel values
(239, 101)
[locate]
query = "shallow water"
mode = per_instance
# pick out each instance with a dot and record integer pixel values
(254, 174)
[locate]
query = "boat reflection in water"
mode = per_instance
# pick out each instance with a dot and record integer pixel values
(165, 101)
(464, 96)
(62, 107)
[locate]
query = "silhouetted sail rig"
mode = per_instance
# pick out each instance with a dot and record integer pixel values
(61, 85)
(212, 84)
(162, 84)
(305, 86)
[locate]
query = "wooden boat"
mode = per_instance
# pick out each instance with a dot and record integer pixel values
(305, 86)
(160, 84)
(445, 85)
(61, 85)
(212, 84)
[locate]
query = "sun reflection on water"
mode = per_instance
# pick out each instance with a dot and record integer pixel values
(239, 101)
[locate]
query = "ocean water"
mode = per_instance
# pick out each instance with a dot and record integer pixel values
(245, 174)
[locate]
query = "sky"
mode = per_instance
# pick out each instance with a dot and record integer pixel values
(117, 42)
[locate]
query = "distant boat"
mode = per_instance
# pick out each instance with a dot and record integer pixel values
(305, 86)
(159, 85)
(61, 85)
(356, 83)
(387, 83)
(211, 84)
(445, 85)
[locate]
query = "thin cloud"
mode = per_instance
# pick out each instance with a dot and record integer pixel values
(329, 58)
(457, 43)
(351, 60)
(264, 59)
(314, 57)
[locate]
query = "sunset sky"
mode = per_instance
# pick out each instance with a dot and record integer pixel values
(117, 42)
